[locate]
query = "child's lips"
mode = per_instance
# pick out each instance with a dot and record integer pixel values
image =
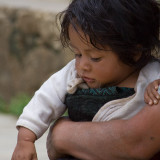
(88, 80)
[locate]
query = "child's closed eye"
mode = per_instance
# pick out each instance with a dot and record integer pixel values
(78, 55)
(96, 59)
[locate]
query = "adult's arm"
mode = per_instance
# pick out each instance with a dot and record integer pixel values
(136, 138)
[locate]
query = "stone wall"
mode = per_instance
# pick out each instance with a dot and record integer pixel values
(30, 50)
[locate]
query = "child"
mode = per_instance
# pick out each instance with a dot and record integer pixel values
(112, 42)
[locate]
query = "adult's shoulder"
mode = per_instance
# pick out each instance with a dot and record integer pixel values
(151, 70)
(152, 65)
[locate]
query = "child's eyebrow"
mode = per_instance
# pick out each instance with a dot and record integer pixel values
(87, 49)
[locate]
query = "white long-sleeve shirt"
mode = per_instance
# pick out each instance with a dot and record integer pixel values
(48, 102)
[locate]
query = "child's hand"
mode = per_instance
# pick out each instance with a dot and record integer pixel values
(151, 95)
(24, 150)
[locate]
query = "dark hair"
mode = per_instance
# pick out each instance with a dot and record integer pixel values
(128, 27)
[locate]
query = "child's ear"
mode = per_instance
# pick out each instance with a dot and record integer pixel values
(138, 54)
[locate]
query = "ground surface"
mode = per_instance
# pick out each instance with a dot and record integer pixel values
(8, 139)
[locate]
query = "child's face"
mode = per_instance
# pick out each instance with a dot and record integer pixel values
(99, 68)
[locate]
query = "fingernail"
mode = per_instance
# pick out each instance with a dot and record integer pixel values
(155, 102)
(156, 87)
(158, 97)
(150, 102)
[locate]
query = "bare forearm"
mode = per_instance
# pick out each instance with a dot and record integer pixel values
(137, 138)
(25, 134)
(89, 141)
(25, 148)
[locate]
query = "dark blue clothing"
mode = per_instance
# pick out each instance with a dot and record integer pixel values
(85, 103)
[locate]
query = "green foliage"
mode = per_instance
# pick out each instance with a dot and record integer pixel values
(18, 103)
(66, 113)
(3, 107)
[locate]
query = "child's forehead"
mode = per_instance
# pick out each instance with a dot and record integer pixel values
(76, 33)
(77, 39)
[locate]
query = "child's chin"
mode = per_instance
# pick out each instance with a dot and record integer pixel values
(94, 86)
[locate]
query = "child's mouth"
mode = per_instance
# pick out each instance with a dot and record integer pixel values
(88, 80)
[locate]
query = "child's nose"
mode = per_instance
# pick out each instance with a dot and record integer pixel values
(84, 64)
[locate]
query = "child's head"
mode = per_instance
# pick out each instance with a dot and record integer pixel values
(99, 68)
(128, 27)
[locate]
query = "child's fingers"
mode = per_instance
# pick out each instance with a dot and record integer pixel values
(154, 96)
(158, 80)
(147, 99)
(156, 84)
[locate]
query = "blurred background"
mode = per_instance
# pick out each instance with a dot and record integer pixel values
(30, 52)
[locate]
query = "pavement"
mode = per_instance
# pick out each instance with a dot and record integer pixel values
(8, 139)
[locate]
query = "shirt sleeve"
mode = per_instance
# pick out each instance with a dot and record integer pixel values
(48, 102)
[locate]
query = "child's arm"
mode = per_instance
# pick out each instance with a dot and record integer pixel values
(46, 105)
(25, 148)
(151, 95)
